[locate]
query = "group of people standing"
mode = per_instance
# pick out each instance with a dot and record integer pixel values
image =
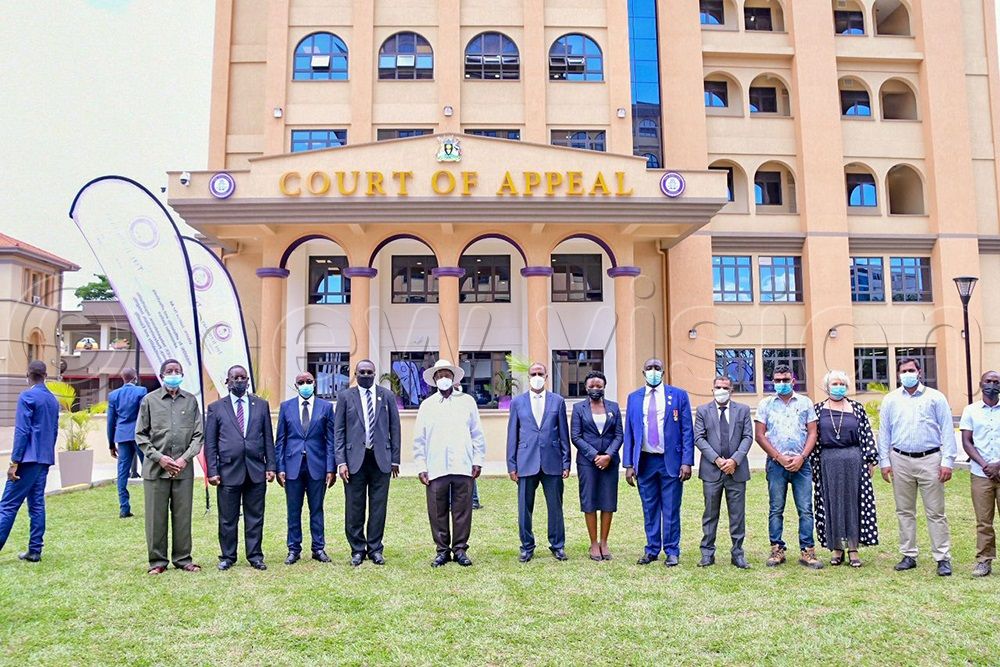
(825, 451)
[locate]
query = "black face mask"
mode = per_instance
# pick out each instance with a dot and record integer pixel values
(595, 394)
(366, 381)
(238, 388)
(991, 390)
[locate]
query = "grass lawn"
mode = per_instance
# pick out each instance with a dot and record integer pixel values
(90, 602)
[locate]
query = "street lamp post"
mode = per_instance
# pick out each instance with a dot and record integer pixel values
(965, 285)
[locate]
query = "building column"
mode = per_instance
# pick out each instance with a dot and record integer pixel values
(105, 337)
(538, 279)
(625, 361)
(272, 310)
(447, 279)
(361, 328)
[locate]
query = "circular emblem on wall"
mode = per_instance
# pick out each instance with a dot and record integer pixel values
(222, 185)
(222, 331)
(201, 277)
(672, 184)
(143, 233)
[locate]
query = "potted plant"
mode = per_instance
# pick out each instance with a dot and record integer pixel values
(395, 386)
(76, 461)
(504, 384)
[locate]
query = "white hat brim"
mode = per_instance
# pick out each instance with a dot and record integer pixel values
(429, 373)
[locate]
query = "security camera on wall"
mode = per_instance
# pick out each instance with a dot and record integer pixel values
(185, 178)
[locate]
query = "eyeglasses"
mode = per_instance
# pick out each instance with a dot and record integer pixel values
(299, 383)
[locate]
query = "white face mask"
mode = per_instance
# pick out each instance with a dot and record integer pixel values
(443, 384)
(536, 382)
(721, 395)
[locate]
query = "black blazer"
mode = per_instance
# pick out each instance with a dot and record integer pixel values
(349, 430)
(586, 438)
(231, 456)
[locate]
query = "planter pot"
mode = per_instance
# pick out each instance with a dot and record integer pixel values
(76, 467)
(504, 403)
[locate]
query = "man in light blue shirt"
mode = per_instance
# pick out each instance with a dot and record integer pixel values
(981, 440)
(917, 450)
(786, 431)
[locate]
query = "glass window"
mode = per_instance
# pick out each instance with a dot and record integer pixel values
(513, 135)
(391, 133)
(781, 279)
(871, 366)
(320, 56)
(732, 279)
(795, 358)
(570, 368)
(911, 279)
(311, 140)
(412, 281)
(861, 191)
(757, 18)
(644, 70)
(738, 365)
(405, 55)
(486, 280)
(763, 99)
(577, 278)
(332, 371)
(406, 376)
(767, 188)
(867, 279)
(492, 55)
(855, 103)
(575, 57)
(591, 140)
(712, 12)
(648, 128)
(483, 374)
(848, 23)
(716, 94)
(327, 282)
(652, 161)
(927, 356)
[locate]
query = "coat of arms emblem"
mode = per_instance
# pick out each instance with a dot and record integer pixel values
(450, 150)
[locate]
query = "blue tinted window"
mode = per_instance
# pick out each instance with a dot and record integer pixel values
(644, 68)
(406, 55)
(513, 135)
(854, 103)
(867, 279)
(861, 190)
(732, 279)
(575, 57)
(310, 140)
(320, 56)
(491, 56)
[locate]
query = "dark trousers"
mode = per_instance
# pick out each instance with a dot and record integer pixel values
(127, 453)
(735, 506)
(552, 486)
(30, 487)
(305, 487)
(660, 494)
(250, 496)
(168, 503)
(450, 533)
(369, 486)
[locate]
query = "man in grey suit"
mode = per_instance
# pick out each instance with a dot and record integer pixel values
(723, 432)
(366, 448)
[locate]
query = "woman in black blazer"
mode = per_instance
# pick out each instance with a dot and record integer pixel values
(597, 434)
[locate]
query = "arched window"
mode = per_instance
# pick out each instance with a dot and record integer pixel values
(712, 12)
(405, 55)
(492, 55)
(716, 94)
(854, 99)
(898, 101)
(848, 19)
(652, 162)
(906, 191)
(891, 18)
(575, 57)
(861, 191)
(647, 128)
(321, 56)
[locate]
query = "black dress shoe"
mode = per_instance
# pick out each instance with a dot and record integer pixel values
(440, 559)
(321, 556)
(225, 564)
(559, 554)
(30, 556)
(477, 505)
(670, 561)
(125, 515)
(377, 558)
(258, 565)
(293, 558)
(462, 559)
(906, 564)
(944, 568)
(646, 559)
(525, 556)
(357, 559)
(706, 561)
(740, 562)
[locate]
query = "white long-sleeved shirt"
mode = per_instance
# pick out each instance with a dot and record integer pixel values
(448, 436)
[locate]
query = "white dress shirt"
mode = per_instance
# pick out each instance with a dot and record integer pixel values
(246, 410)
(661, 410)
(984, 422)
(448, 436)
(538, 406)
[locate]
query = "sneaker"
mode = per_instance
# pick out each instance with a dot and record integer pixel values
(777, 555)
(982, 569)
(808, 558)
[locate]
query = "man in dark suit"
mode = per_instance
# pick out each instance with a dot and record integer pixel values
(239, 449)
(723, 432)
(123, 410)
(304, 452)
(367, 451)
(538, 453)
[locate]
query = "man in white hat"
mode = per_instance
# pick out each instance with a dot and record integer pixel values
(449, 450)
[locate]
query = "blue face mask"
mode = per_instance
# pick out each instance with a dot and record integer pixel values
(173, 381)
(306, 390)
(838, 391)
(783, 388)
(653, 377)
(909, 379)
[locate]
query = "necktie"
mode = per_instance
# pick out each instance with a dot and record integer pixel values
(305, 416)
(652, 424)
(371, 420)
(724, 430)
(240, 417)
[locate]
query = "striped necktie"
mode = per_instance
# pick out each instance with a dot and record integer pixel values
(371, 419)
(241, 417)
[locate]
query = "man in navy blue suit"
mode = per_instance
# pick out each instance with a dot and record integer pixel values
(538, 453)
(36, 425)
(123, 409)
(659, 453)
(304, 450)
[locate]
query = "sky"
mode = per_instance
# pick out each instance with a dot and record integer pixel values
(96, 87)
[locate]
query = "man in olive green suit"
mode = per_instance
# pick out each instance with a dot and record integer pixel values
(170, 434)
